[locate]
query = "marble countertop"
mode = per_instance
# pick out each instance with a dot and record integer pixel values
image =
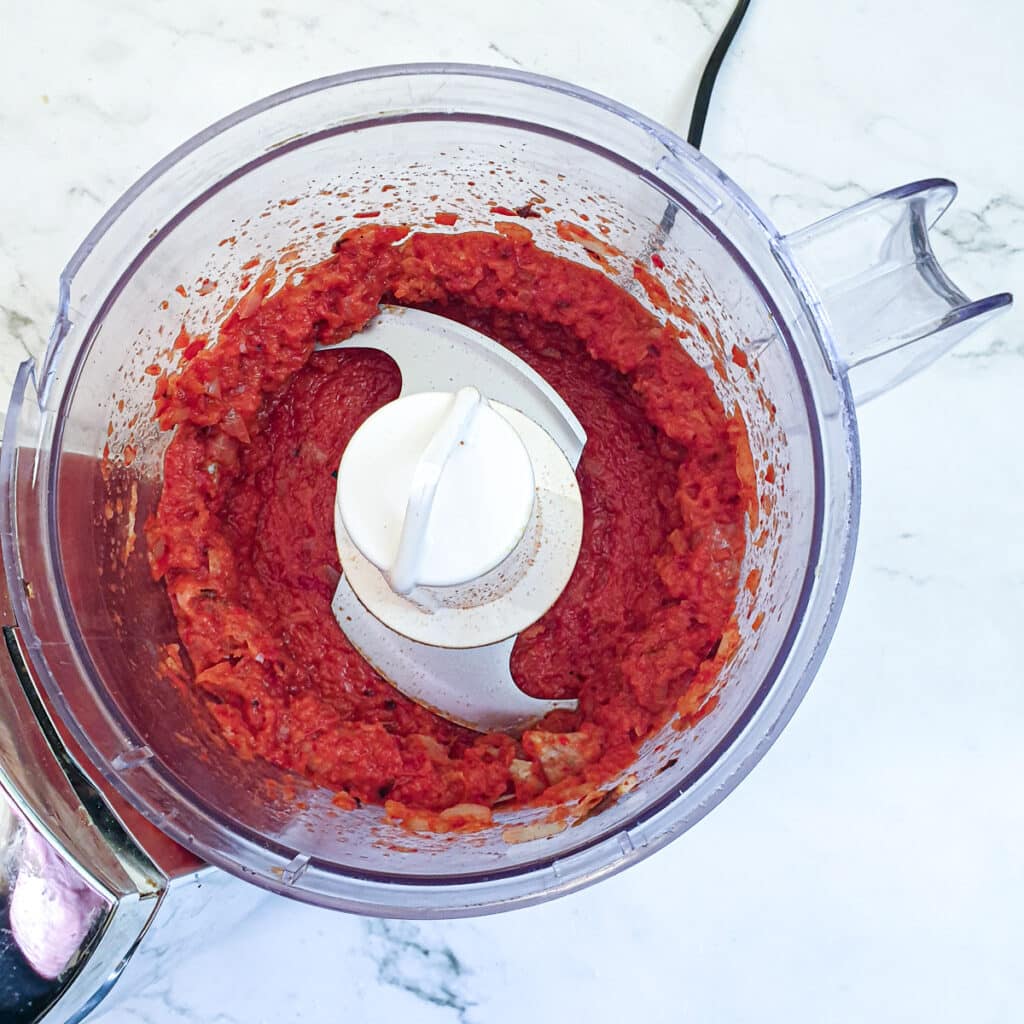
(870, 868)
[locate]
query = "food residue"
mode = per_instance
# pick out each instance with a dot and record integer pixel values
(243, 536)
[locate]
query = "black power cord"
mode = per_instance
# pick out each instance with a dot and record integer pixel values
(711, 69)
(702, 101)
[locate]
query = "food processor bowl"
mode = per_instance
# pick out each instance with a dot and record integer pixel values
(791, 329)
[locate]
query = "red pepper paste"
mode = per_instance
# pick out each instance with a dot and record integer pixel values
(243, 535)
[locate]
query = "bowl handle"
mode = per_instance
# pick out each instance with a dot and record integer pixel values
(890, 307)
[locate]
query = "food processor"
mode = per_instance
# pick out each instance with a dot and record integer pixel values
(101, 755)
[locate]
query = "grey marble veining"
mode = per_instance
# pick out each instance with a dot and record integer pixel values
(869, 869)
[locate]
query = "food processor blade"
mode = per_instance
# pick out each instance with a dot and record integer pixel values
(468, 683)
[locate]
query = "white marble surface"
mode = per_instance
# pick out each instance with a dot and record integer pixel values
(871, 867)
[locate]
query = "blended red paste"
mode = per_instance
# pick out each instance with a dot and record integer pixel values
(244, 537)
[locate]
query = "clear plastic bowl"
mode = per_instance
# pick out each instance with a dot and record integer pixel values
(295, 170)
